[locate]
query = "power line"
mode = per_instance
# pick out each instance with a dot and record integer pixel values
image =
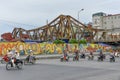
(17, 23)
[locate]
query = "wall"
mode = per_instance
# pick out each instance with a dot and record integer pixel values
(44, 48)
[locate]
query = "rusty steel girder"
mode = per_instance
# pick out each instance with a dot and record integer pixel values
(62, 27)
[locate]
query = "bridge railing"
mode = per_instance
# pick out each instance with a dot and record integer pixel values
(106, 40)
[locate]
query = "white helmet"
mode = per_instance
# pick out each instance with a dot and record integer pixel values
(30, 50)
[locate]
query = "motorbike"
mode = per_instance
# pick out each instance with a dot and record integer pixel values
(17, 64)
(90, 57)
(82, 56)
(4, 59)
(101, 57)
(112, 58)
(64, 58)
(30, 60)
(116, 54)
(76, 58)
(104, 56)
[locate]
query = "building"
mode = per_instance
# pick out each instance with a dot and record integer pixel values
(106, 21)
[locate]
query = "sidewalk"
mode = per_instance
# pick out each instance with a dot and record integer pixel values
(57, 56)
(44, 56)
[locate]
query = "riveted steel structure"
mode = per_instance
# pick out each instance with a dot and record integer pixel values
(66, 27)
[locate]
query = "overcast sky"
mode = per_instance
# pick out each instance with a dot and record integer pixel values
(30, 14)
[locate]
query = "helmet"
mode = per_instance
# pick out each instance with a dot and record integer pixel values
(30, 50)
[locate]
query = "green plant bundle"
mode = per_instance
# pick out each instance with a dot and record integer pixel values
(73, 41)
(58, 42)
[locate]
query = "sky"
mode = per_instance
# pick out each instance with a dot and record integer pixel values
(29, 14)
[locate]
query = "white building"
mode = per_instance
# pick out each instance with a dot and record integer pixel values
(106, 21)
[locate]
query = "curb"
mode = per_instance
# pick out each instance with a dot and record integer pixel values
(56, 56)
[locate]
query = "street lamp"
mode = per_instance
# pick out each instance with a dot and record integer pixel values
(78, 34)
(79, 13)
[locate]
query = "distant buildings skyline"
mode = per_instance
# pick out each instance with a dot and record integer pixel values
(102, 20)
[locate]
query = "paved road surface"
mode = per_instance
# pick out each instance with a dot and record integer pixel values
(56, 70)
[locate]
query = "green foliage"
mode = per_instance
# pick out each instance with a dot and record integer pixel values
(73, 41)
(58, 42)
(83, 41)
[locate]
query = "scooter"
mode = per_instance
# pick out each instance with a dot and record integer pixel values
(82, 56)
(112, 58)
(76, 58)
(30, 60)
(17, 64)
(90, 57)
(101, 57)
(64, 58)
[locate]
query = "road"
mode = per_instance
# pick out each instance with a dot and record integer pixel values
(53, 69)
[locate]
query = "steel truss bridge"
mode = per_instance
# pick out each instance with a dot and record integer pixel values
(67, 27)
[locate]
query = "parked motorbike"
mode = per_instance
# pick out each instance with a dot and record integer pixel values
(4, 59)
(30, 60)
(64, 58)
(112, 58)
(18, 64)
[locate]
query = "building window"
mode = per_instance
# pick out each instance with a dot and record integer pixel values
(112, 26)
(111, 21)
(115, 17)
(105, 23)
(111, 17)
(95, 21)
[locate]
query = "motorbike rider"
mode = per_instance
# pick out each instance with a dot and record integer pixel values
(11, 56)
(112, 56)
(91, 55)
(30, 56)
(101, 55)
(65, 54)
(82, 54)
(116, 53)
(76, 53)
(17, 56)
